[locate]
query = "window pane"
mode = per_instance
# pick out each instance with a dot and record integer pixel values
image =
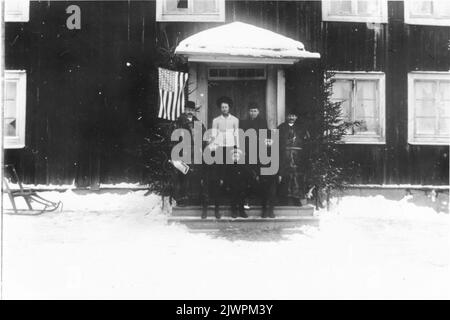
(342, 92)
(444, 126)
(368, 126)
(10, 109)
(366, 90)
(10, 90)
(425, 125)
(366, 100)
(444, 90)
(444, 97)
(205, 6)
(13, 6)
(421, 7)
(444, 109)
(366, 108)
(443, 8)
(346, 111)
(425, 108)
(369, 7)
(425, 89)
(10, 127)
(342, 7)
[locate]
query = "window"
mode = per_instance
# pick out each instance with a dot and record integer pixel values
(374, 11)
(428, 12)
(17, 10)
(236, 73)
(190, 10)
(429, 108)
(363, 100)
(14, 109)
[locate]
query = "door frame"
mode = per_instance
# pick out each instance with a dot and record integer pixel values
(275, 90)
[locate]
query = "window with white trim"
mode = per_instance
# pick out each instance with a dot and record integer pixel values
(362, 98)
(190, 10)
(429, 108)
(427, 12)
(374, 11)
(17, 10)
(14, 109)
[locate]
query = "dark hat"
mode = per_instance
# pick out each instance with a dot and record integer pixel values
(291, 111)
(226, 100)
(253, 105)
(190, 105)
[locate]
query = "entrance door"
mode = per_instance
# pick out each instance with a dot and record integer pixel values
(242, 92)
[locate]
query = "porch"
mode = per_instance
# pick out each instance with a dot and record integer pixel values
(244, 61)
(247, 64)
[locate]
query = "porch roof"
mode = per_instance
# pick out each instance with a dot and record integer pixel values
(242, 42)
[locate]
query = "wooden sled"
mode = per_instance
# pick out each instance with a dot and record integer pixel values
(29, 196)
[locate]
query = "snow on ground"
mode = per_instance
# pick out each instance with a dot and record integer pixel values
(118, 245)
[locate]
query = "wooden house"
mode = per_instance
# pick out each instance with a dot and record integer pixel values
(80, 90)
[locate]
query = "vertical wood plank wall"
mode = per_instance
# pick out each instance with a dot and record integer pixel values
(92, 93)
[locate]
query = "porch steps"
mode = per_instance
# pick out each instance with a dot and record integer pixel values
(285, 217)
(254, 212)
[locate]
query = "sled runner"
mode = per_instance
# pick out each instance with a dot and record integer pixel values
(29, 196)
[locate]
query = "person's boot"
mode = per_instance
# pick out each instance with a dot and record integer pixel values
(234, 213)
(242, 213)
(270, 213)
(204, 211)
(264, 213)
(217, 212)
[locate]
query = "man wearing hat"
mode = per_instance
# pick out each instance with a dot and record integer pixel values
(192, 185)
(290, 178)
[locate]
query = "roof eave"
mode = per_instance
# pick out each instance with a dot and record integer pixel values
(227, 58)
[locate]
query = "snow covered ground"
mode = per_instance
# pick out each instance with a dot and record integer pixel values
(118, 245)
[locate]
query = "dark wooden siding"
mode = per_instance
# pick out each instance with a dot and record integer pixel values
(85, 107)
(87, 111)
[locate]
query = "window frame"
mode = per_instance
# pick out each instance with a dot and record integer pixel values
(189, 17)
(412, 77)
(327, 16)
(430, 21)
(232, 78)
(18, 141)
(371, 76)
(20, 16)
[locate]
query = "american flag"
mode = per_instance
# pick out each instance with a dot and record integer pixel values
(171, 93)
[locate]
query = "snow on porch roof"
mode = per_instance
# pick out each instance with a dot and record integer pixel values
(238, 41)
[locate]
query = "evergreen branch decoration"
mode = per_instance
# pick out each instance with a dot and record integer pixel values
(324, 169)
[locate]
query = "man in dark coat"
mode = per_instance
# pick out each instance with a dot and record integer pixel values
(290, 177)
(192, 186)
(259, 185)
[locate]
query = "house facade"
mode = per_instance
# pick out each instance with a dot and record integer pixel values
(81, 89)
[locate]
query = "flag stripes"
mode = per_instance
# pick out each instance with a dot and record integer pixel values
(171, 93)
